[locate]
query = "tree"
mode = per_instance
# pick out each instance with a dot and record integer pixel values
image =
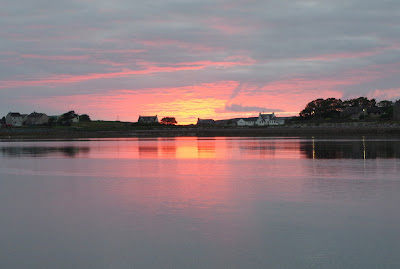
(84, 117)
(385, 104)
(396, 110)
(311, 109)
(320, 108)
(168, 121)
(66, 119)
(360, 102)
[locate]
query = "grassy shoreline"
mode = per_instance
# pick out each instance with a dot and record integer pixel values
(309, 129)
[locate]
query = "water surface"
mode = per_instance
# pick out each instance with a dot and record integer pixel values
(200, 203)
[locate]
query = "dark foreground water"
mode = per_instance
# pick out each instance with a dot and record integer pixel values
(200, 203)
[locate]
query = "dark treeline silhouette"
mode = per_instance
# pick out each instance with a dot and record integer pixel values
(357, 108)
(168, 121)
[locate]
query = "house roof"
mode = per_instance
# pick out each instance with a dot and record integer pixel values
(205, 121)
(36, 115)
(250, 119)
(148, 118)
(269, 116)
(15, 114)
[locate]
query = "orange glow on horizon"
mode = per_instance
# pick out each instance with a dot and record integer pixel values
(186, 104)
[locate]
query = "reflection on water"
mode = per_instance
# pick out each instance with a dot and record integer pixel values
(210, 148)
(200, 203)
(22, 151)
(350, 149)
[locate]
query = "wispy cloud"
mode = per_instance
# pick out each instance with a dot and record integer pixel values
(241, 108)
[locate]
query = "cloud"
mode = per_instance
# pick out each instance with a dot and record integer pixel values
(386, 94)
(287, 52)
(240, 108)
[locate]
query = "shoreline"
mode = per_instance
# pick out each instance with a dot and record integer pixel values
(280, 131)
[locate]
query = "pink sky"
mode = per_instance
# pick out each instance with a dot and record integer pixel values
(193, 60)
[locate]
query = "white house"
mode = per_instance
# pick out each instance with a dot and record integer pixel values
(261, 120)
(247, 121)
(36, 119)
(14, 119)
(269, 119)
(75, 119)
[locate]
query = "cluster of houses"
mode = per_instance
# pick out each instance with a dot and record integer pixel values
(35, 118)
(261, 120)
(356, 113)
(17, 119)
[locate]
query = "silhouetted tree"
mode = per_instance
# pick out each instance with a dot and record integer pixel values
(84, 117)
(67, 118)
(385, 104)
(320, 108)
(168, 121)
(359, 102)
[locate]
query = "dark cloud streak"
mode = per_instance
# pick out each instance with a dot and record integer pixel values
(241, 108)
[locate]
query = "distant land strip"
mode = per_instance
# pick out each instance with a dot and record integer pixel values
(338, 129)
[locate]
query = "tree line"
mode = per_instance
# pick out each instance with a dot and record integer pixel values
(332, 108)
(68, 118)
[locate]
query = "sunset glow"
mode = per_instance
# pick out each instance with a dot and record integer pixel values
(167, 60)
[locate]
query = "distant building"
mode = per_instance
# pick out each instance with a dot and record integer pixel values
(2, 122)
(53, 118)
(148, 119)
(269, 119)
(396, 110)
(229, 122)
(24, 118)
(36, 119)
(75, 119)
(247, 121)
(375, 112)
(261, 120)
(205, 122)
(354, 113)
(14, 119)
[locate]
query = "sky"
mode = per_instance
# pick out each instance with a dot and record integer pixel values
(116, 60)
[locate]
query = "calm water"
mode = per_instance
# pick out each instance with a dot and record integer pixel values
(200, 203)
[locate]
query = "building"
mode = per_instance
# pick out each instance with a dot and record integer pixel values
(269, 119)
(148, 119)
(14, 119)
(396, 110)
(356, 113)
(2, 122)
(261, 120)
(205, 122)
(36, 119)
(247, 121)
(75, 119)
(375, 112)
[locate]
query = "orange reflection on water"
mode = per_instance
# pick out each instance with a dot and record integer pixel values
(196, 148)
